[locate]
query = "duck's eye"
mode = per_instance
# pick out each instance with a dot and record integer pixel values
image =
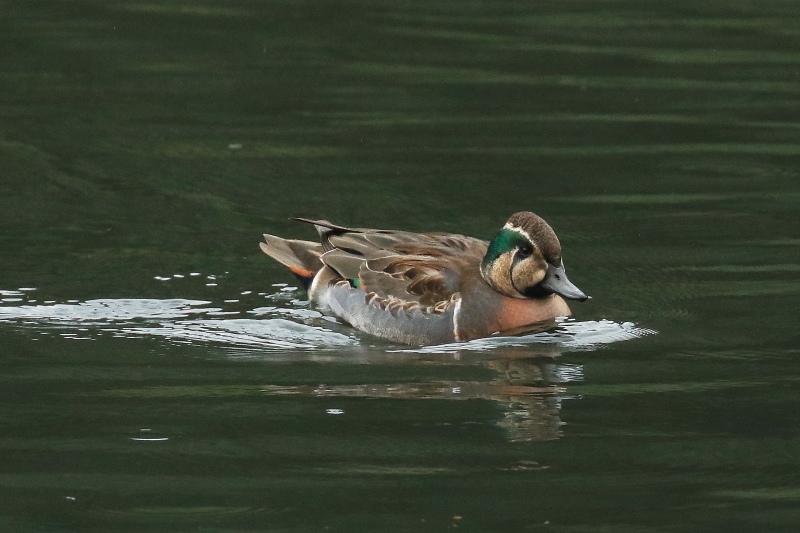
(525, 250)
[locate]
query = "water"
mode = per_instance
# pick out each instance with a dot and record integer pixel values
(159, 373)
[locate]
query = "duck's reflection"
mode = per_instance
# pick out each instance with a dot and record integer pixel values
(527, 387)
(529, 392)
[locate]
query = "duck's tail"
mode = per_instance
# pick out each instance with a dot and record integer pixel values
(301, 257)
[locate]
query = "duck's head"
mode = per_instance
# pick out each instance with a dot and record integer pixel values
(524, 261)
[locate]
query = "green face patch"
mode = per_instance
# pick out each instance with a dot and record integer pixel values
(507, 240)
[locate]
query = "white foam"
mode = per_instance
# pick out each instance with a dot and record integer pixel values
(300, 313)
(570, 334)
(285, 325)
(179, 320)
(10, 293)
(107, 310)
(265, 333)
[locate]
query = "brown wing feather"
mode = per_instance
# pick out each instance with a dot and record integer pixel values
(326, 230)
(346, 264)
(356, 244)
(411, 267)
(472, 247)
(411, 278)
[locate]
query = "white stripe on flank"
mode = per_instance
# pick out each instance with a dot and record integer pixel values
(455, 319)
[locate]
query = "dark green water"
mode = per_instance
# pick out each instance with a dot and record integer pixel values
(140, 140)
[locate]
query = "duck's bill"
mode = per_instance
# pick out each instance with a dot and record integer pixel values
(556, 281)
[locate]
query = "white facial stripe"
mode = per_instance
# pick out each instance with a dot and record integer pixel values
(519, 230)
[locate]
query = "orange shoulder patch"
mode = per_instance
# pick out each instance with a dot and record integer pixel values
(302, 272)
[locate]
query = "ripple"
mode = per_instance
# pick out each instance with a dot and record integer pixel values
(264, 333)
(107, 310)
(570, 334)
(288, 324)
(181, 321)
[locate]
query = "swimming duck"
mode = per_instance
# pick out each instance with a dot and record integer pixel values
(427, 288)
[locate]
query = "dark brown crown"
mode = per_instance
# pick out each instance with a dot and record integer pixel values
(540, 231)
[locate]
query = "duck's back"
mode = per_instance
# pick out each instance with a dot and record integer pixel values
(421, 268)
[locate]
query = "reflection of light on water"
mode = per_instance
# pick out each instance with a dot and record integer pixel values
(564, 373)
(149, 438)
(181, 321)
(107, 310)
(529, 411)
(245, 323)
(274, 333)
(570, 334)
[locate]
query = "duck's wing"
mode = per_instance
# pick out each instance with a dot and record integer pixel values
(411, 278)
(408, 267)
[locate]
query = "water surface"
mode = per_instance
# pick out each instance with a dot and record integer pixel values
(159, 373)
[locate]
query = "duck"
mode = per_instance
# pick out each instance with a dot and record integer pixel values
(432, 288)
